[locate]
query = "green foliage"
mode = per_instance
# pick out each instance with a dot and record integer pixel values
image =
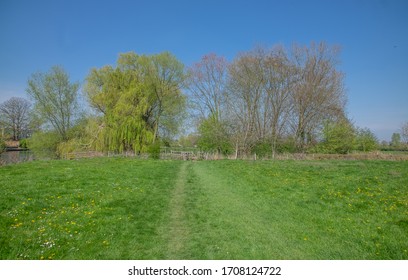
(286, 145)
(262, 149)
(44, 144)
(91, 134)
(55, 99)
(140, 100)
(396, 140)
(23, 143)
(188, 141)
(2, 144)
(365, 140)
(154, 150)
(338, 137)
(69, 146)
(213, 136)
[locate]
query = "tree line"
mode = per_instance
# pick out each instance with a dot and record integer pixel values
(266, 96)
(265, 101)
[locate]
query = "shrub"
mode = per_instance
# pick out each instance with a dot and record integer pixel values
(262, 149)
(69, 146)
(338, 137)
(366, 140)
(44, 144)
(2, 145)
(213, 136)
(154, 150)
(23, 143)
(286, 145)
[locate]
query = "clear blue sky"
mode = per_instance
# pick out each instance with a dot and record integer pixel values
(79, 35)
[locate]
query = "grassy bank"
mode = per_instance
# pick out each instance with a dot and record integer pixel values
(141, 209)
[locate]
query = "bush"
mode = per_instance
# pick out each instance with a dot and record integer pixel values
(286, 145)
(366, 140)
(44, 144)
(213, 136)
(69, 146)
(262, 149)
(2, 145)
(154, 150)
(338, 138)
(23, 143)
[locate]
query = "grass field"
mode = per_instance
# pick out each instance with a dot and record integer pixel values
(120, 208)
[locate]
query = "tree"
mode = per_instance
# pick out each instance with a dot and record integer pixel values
(140, 100)
(14, 117)
(404, 132)
(279, 81)
(2, 144)
(365, 140)
(206, 82)
(272, 93)
(260, 86)
(319, 92)
(164, 75)
(245, 101)
(44, 144)
(213, 136)
(55, 99)
(188, 141)
(396, 140)
(338, 137)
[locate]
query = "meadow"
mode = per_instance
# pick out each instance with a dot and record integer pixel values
(123, 208)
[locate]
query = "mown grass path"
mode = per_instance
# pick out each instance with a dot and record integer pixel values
(227, 223)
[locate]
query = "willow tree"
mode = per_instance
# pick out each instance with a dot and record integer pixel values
(137, 99)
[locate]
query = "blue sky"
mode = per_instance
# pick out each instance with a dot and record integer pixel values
(79, 35)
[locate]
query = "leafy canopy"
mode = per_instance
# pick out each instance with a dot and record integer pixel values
(140, 100)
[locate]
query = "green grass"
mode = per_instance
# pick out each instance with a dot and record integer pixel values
(133, 209)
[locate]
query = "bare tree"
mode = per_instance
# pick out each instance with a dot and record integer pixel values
(270, 94)
(279, 81)
(404, 132)
(206, 81)
(245, 101)
(318, 94)
(260, 86)
(14, 116)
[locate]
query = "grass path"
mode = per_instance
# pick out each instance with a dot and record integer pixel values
(120, 208)
(295, 210)
(178, 230)
(228, 225)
